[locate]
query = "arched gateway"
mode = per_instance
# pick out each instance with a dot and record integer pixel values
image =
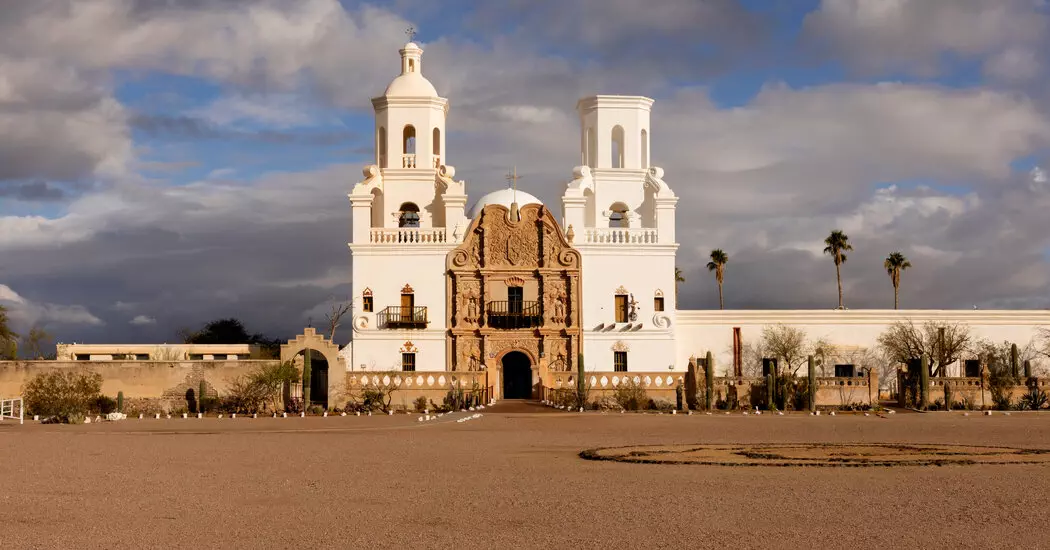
(513, 296)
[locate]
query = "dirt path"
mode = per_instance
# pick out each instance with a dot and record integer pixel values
(512, 477)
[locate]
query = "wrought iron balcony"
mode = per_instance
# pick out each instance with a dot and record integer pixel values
(402, 317)
(513, 314)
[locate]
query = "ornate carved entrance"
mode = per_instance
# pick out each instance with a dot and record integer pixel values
(514, 285)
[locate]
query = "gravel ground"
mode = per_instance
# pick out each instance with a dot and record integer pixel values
(510, 478)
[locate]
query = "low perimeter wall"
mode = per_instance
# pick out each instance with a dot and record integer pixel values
(971, 392)
(406, 387)
(165, 381)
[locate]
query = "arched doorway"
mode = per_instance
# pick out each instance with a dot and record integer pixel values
(517, 376)
(318, 376)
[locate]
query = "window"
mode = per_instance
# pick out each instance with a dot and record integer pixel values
(437, 141)
(621, 308)
(515, 299)
(381, 147)
(82, 357)
(142, 357)
(972, 368)
(408, 362)
(617, 147)
(844, 371)
(196, 357)
(620, 361)
(645, 149)
(658, 303)
(411, 65)
(592, 147)
(409, 142)
(409, 215)
(366, 304)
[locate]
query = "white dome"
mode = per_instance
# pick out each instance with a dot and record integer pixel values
(504, 197)
(410, 85)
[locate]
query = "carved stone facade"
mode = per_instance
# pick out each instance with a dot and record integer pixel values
(531, 255)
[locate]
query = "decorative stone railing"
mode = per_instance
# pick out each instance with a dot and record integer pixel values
(619, 235)
(408, 235)
(408, 161)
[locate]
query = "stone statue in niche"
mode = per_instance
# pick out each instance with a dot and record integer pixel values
(559, 309)
(633, 316)
(472, 309)
(473, 364)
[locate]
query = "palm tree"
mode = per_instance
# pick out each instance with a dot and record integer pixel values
(678, 278)
(718, 264)
(894, 264)
(837, 243)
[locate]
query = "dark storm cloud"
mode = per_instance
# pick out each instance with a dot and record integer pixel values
(32, 191)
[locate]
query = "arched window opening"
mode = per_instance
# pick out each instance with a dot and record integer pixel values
(617, 147)
(436, 138)
(592, 147)
(409, 216)
(411, 65)
(408, 143)
(381, 146)
(645, 149)
(618, 215)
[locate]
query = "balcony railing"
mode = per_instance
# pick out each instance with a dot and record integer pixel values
(408, 161)
(408, 235)
(621, 235)
(402, 317)
(513, 314)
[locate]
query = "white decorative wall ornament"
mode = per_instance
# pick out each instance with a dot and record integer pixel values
(661, 320)
(419, 380)
(430, 380)
(594, 380)
(620, 345)
(604, 381)
(360, 323)
(637, 380)
(616, 381)
(648, 380)
(670, 381)
(386, 380)
(659, 381)
(441, 380)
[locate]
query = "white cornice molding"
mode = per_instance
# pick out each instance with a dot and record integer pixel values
(862, 316)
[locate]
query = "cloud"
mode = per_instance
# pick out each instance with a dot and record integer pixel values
(140, 320)
(918, 35)
(25, 313)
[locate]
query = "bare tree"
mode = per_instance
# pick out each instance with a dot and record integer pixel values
(942, 343)
(1043, 339)
(752, 354)
(335, 315)
(787, 345)
(34, 342)
(823, 352)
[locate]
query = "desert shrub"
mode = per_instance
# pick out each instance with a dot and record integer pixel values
(104, 404)
(631, 395)
(259, 389)
(294, 405)
(62, 394)
(1001, 399)
(420, 403)
(937, 405)
(1034, 400)
(565, 397)
(967, 403)
(661, 405)
(315, 410)
(372, 398)
(606, 403)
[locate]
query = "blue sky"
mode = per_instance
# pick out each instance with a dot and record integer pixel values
(150, 180)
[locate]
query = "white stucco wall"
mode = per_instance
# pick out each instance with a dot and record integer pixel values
(698, 332)
(386, 269)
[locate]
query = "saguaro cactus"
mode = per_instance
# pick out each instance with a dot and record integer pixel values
(924, 382)
(691, 385)
(120, 401)
(709, 381)
(812, 389)
(581, 382)
(1027, 369)
(947, 395)
(307, 368)
(770, 391)
(679, 393)
(1014, 371)
(201, 388)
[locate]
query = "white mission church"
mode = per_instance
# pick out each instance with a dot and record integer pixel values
(513, 287)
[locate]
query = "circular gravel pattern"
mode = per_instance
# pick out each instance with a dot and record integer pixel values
(820, 454)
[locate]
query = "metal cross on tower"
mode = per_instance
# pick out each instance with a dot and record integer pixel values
(513, 178)
(411, 32)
